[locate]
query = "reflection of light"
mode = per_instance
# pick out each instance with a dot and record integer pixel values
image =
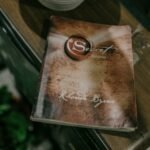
(143, 139)
(135, 57)
(116, 112)
(4, 54)
(56, 38)
(4, 30)
(109, 34)
(7, 79)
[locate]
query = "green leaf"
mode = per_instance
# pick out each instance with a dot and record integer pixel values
(17, 126)
(5, 95)
(4, 108)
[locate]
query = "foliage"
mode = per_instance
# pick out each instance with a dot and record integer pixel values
(16, 131)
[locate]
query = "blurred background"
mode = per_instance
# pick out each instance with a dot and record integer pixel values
(17, 80)
(19, 75)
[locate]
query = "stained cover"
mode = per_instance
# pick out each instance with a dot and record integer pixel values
(87, 76)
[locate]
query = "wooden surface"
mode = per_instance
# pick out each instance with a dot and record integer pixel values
(31, 19)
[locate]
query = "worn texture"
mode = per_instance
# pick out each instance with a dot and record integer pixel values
(97, 91)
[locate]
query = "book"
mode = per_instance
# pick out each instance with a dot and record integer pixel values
(87, 78)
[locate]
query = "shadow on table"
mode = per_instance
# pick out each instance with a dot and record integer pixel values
(37, 16)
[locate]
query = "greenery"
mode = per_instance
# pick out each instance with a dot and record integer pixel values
(16, 130)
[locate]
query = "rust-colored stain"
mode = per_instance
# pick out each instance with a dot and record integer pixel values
(97, 91)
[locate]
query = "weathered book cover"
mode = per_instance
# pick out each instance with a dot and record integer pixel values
(87, 76)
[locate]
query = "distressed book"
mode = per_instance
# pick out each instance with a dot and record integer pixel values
(87, 78)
